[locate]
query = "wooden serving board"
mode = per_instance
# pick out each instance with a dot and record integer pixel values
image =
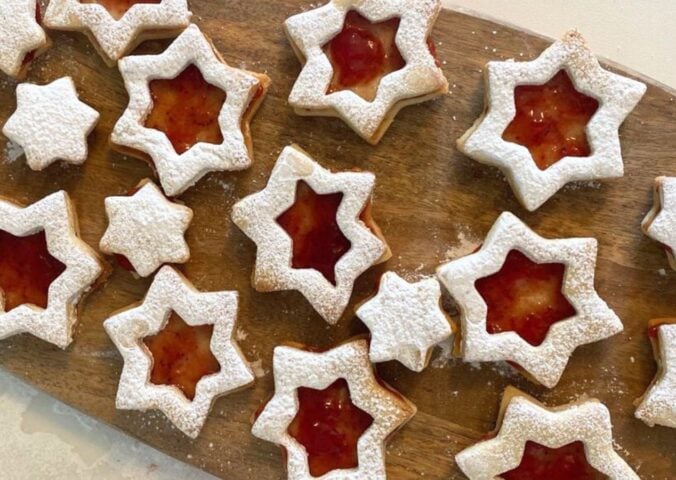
(431, 202)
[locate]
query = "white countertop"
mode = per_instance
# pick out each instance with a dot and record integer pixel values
(42, 438)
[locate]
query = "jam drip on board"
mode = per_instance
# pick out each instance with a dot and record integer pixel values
(543, 463)
(329, 426)
(525, 297)
(27, 269)
(551, 120)
(182, 355)
(117, 8)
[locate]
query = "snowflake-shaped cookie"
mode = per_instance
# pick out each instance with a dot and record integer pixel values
(178, 172)
(257, 216)
(294, 368)
(593, 319)
(147, 229)
(523, 419)
(616, 95)
(21, 36)
(51, 123)
(55, 215)
(419, 80)
(660, 223)
(406, 321)
(115, 37)
(171, 292)
(658, 405)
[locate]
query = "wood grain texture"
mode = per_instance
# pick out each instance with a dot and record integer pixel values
(429, 199)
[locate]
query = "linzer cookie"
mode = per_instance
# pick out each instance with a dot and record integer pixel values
(660, 223)
(22, 38)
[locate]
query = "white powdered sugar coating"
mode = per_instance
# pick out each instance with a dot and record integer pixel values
(171, 292)
(256, 216)
(658, 405)
(418, 81)
(114, 38)
(20, 34)
(617, 97)
(294, 368)
(525, 419)
(178, 172)
(147, 229)
(55, 216)
(51, 123)
(660, 223)
(406, 321)
(593, 321)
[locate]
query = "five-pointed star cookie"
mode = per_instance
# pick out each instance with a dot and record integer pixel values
(660, 223)
(171, 292)
(616, 95)
(406, 321)
(21, 36)
(51, 123)
(592, 320)
(523, 420)
(55, 216)
(147, 229)
(295, 368)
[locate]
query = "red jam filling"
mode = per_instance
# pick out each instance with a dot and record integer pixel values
(318, 242)
(329, 426)
(525, 297)
(551, 120)
(186, 109)
(117, 8)
(27, 269)
(565, 463)
(182, 355)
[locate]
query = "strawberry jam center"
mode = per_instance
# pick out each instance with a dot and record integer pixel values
(318, 241)
(551, 120)
(329, 426)
(186, 109)
(117, 8)
(182, 355)
(27, 269)
(565, 463)
(525, 297)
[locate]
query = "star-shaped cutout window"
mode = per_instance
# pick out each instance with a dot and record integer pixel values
(118, 8)
(563, 463)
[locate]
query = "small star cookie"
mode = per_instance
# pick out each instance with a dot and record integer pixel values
(22, 39)
(660, 223)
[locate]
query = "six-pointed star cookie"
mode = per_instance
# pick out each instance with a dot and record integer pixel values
(660, 223)
(418, 80)
(258, 214)
(244, 92)
(406, 321)
(294, 368)
(171, 292)
(616, 95)
(51, 123)
(21, 36)
(116, 32)
(591, 321)
(523, 419)
(55, 216)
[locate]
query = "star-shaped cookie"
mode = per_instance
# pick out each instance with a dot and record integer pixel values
(523, 420)
(660, 223)
(406, 321)
(589, 321)
(147, 229)
(616, 96)
(78, 268)
(419, 78)
(22, 38)
(244, 93)
(294, 368)
(51, 123)
(171, 292)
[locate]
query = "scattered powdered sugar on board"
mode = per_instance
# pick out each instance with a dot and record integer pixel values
(467, 243)
(445, 355)
(12, 152)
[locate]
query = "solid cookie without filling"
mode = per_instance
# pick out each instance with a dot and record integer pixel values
(314, 231)
(533, 442)
(22, 38)
(660, 223)
(528, 300)
(178, 350)
(552, 121)
(330, 413)
(364, 60)
(45, 269)
(188, 112)
(115, 27)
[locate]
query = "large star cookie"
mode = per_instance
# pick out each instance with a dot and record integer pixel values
(660, 223)
(22, 38)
